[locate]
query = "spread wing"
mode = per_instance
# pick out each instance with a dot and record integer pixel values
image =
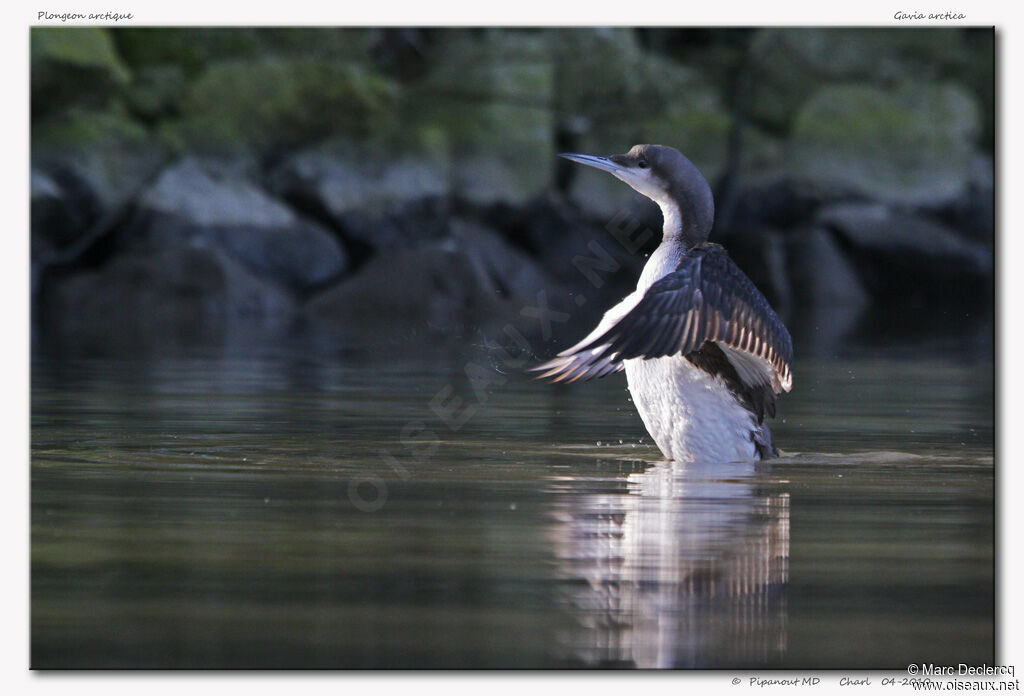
(707, 298)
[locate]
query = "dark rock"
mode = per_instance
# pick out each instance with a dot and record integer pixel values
(501, 271)
(922, 275)
(827, 290)
(186, 293)
(972, 213)
(484, 177)
(347, 177)
(760, 252)
(99, 161)
(74, 211)
(60, 213)
(191, 200)
(467, 279)
(820, 272)
(409, 224)
(906, 240)
(375, 198)
(106, 152)
(559, 235)
(783, 203)
(437, 292)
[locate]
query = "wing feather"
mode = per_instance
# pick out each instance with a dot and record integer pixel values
(706, 298)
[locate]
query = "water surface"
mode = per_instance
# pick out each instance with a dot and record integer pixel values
(356, 511)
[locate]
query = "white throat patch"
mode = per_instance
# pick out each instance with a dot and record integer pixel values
(643, 181)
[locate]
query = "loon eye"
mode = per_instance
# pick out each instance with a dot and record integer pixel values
(642, 164)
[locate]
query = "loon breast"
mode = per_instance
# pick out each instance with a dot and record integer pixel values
(691, 414)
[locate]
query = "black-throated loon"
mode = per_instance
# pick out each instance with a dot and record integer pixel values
(704, 353)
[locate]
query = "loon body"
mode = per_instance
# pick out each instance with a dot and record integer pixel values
(703, 351)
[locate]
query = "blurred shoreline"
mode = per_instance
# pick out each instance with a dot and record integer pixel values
(399, 187)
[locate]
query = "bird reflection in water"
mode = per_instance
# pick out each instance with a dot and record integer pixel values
(687, 568)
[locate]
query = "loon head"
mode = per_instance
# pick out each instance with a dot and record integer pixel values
(668, 178)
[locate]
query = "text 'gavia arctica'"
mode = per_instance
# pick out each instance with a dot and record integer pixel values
(704, 353)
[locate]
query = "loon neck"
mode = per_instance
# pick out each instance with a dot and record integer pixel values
(672, 216)
(676, 227)
(663, 261)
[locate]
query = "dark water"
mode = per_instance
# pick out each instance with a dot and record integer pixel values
(281, 511)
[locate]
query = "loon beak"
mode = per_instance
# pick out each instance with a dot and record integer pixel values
(595, 161)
